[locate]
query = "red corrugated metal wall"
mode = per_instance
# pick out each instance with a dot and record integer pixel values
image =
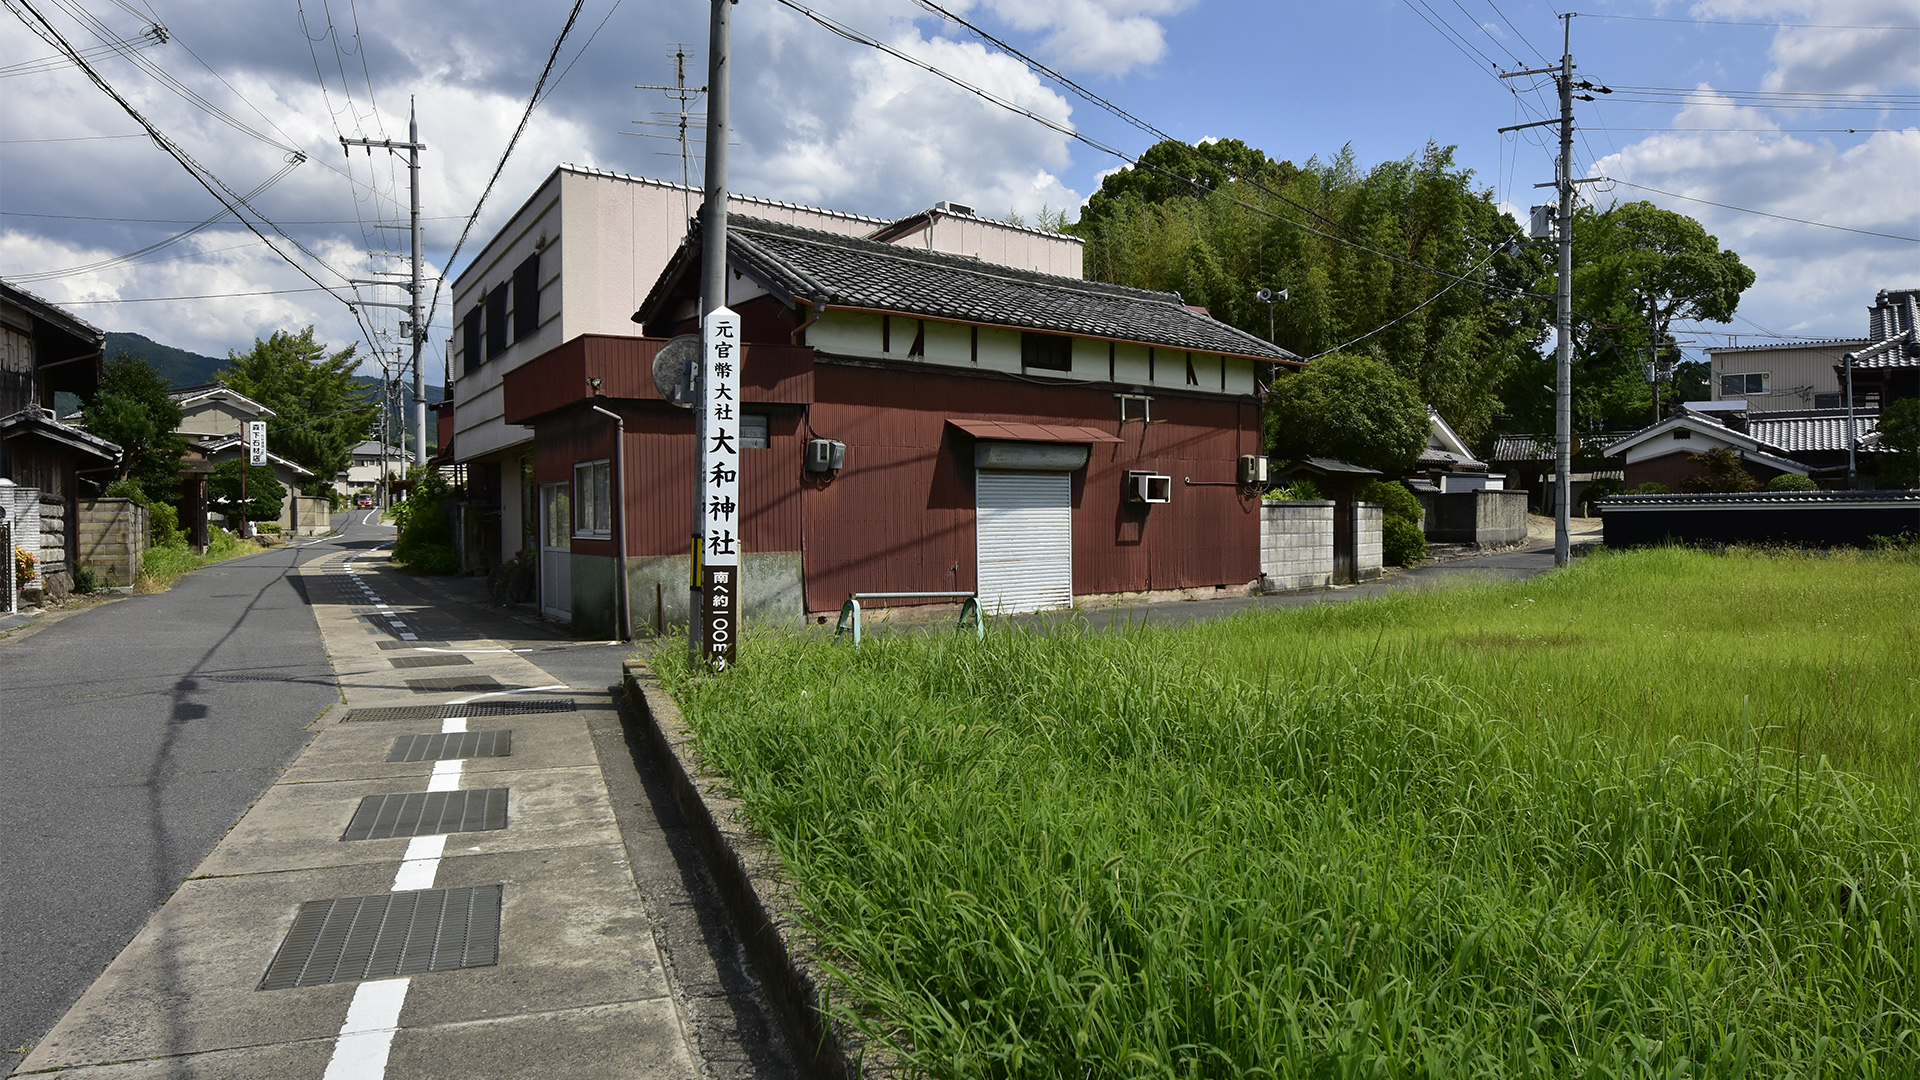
(899, 518)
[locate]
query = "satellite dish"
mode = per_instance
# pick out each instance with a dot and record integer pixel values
(673, 369)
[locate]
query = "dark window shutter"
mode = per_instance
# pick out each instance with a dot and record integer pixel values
(1048, 352)
(526, 297)
(496, 322)
(470, 353)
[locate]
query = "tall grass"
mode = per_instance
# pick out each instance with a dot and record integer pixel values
(163, 564)
(1507, 831)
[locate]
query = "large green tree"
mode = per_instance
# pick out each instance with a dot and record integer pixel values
(133, 408)
(1407, 262)
(1638, 269)
(1348, 406)
(1899, 431)
(322, 412)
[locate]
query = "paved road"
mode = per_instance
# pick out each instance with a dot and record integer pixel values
(132, 736)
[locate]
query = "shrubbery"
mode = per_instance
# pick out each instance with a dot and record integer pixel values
(1402, 541)
(1301, 490)
(425, 544)
(1791, 482)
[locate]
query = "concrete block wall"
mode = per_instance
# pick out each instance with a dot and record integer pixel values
(1296, 544)
(1369, 557)
(1488, 517)
(312, 515)
(112, 537)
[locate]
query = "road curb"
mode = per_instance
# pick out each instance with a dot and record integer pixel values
(753, 884)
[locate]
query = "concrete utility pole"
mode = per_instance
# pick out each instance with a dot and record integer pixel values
(713, 287)
(413, 329)
(1563, 323)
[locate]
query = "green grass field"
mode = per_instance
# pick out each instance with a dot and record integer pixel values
(1651, 816)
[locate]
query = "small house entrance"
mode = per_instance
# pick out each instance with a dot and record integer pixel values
(556, 551)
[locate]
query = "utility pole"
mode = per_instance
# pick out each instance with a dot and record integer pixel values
(1563, 323)
(412, 327)
(713, 296)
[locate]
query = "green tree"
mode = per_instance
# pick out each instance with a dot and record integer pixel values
(1723, 473)
(1899, 431)
(1350, 407)
(134, 409)
(321, 412)
(1218, 222)
(1637, 270)
(265, 494)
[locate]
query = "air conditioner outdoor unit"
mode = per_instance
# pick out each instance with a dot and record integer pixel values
(826, 455)
(1253, 468)
(1146, 487)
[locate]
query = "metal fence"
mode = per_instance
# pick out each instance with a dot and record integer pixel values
(9, 588)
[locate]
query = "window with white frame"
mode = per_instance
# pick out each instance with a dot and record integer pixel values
(1752, 382)
(593, 499)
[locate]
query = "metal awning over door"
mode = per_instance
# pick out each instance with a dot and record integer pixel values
(1024, 529)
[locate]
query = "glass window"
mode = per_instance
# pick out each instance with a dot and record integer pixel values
(556, 516)
(1753, 382)
(592, 499)
(753, 431)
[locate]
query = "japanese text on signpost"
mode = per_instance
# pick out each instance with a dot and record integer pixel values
(720, 480)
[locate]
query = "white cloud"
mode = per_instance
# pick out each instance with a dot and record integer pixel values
(1108, 37)
(1823, 60)
(885, 137)
(1819, 280)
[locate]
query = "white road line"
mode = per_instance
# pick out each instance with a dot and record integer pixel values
(367, 1036)
(374, 1016)
(502, 693)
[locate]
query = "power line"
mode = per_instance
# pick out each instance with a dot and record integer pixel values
(1763, 213)
(216, 187)
(856, 36)
(198, 296)
(532, 101)
(190, 221)
(1745, 22)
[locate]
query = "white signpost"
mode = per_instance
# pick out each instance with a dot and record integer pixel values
(720, 483)
(256, 442)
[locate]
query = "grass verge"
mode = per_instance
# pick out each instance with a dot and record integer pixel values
(161, 566)
(1653, 815)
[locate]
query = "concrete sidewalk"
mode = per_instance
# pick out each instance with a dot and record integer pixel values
(442, 884)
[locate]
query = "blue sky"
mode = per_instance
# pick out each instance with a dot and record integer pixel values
(824, 121)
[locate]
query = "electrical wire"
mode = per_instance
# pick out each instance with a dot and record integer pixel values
(1408, 314)
(532, 101)
(197, 296)
(216, 187)
(849, 33)
(1743, 22)
(1763, 213)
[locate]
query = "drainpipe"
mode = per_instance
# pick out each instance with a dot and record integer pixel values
(817, 307)
(625, 624)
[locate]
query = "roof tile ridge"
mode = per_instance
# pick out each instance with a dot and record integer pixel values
(970, 264)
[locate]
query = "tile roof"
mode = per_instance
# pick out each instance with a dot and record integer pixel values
(848, 272)
(1062, 433)
(1801, 432)
(1762, 498)
(1541, 447)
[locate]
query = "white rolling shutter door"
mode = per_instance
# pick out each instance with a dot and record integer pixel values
(1024, 522)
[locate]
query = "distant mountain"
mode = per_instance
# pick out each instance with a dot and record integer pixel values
(181, 368)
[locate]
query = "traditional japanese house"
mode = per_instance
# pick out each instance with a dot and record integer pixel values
(912, 420)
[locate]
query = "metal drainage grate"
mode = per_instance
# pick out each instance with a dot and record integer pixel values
(429, 660)
(428, 813)
(448, 747)
(506, 707)
(384, 936)
(454, 684)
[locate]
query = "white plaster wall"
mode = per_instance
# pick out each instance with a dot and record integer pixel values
(1002, 244)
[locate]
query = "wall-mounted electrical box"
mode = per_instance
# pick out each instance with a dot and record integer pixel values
(1253, 469)
(1146, 487)
(826, 455)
